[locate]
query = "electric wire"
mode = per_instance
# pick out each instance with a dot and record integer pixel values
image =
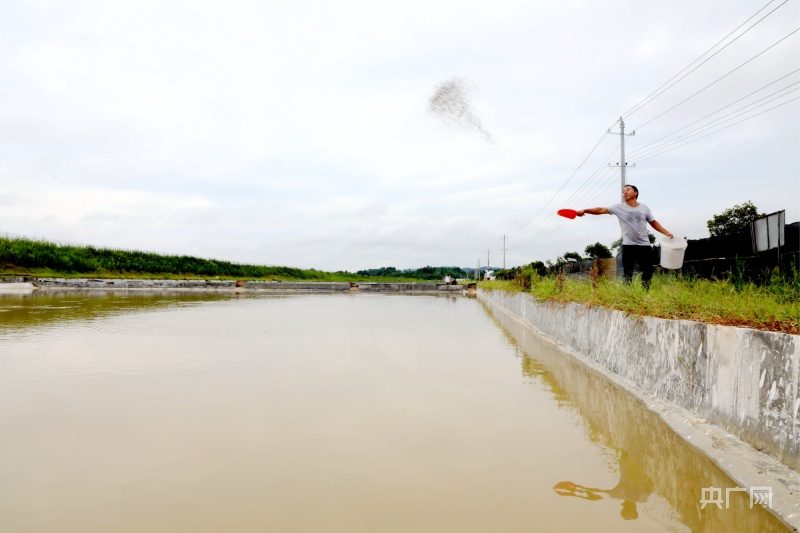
(521, 226)
(494, 244)
(592, 177)
(597, 174)
(716, 131)
(579, 194)
(604, 180)
(532, 230)
(720, 109)
(733, 114)
(718, 79)
(586, 187)
(654, 151)
(697, 131)
(602, 165)
(601, 184)
(642, 104)
(609, 178)
(545, 230)
(553, 228)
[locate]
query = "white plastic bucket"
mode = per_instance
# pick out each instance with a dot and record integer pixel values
(672, 251)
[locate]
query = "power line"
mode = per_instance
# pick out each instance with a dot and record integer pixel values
(696, 131)
(739, 112)
(540, 226)
(718, 79)
(602, 180)
(551, 229)
(591, 177)
(720, 109)
(518, 228)
(648, 99)
(585, 196)
(600, 174)
(602, 186)
(495, 243)
(716, 131)
(548, 229)
(580, 192)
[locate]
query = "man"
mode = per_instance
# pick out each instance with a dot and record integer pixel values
(633, 218)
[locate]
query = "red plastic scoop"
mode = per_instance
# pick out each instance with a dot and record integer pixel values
(568, 213)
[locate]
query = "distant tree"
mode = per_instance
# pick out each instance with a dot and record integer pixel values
(597, 250)
(539, 267)
(426, 272)
(572, 255)
(508, 273)
(383, 271)
(734, 220)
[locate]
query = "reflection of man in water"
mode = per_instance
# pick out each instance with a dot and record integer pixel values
(633, 487)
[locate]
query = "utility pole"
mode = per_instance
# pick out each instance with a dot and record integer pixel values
(504, 252)
(478, 271)
(622, 164)
(487, 260)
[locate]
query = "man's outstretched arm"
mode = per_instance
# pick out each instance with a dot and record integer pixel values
(661, 229)
(594, 211)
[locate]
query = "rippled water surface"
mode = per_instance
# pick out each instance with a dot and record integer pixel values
(133, 412)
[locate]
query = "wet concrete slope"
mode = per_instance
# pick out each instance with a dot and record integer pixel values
(739, 385)
(649, 457)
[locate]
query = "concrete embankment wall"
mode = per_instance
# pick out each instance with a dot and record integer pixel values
(230, 285)
(744, 381)
(647, 450)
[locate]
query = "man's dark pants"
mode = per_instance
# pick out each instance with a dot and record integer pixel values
(634, 253)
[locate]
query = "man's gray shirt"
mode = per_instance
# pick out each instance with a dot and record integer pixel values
(633, 221)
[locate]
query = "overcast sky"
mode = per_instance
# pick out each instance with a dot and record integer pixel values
(298, 133)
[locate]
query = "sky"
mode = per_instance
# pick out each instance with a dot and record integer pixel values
(299, 133)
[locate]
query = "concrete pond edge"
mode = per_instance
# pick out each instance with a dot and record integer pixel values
(21, 284)
(741, 461)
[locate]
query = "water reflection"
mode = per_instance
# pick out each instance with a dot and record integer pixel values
(651, 462)
(20, 311)
(634, 487)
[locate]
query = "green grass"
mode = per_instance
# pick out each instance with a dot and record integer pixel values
(772, 307)
(34, 258)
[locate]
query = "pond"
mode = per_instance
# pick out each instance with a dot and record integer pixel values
(163, 412)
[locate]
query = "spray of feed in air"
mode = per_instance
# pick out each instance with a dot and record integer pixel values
(451, 103)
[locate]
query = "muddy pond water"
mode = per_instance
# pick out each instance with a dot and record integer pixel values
(201, 412)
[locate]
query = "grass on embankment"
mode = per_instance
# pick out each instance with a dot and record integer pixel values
(775, 307)
(33, 258)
